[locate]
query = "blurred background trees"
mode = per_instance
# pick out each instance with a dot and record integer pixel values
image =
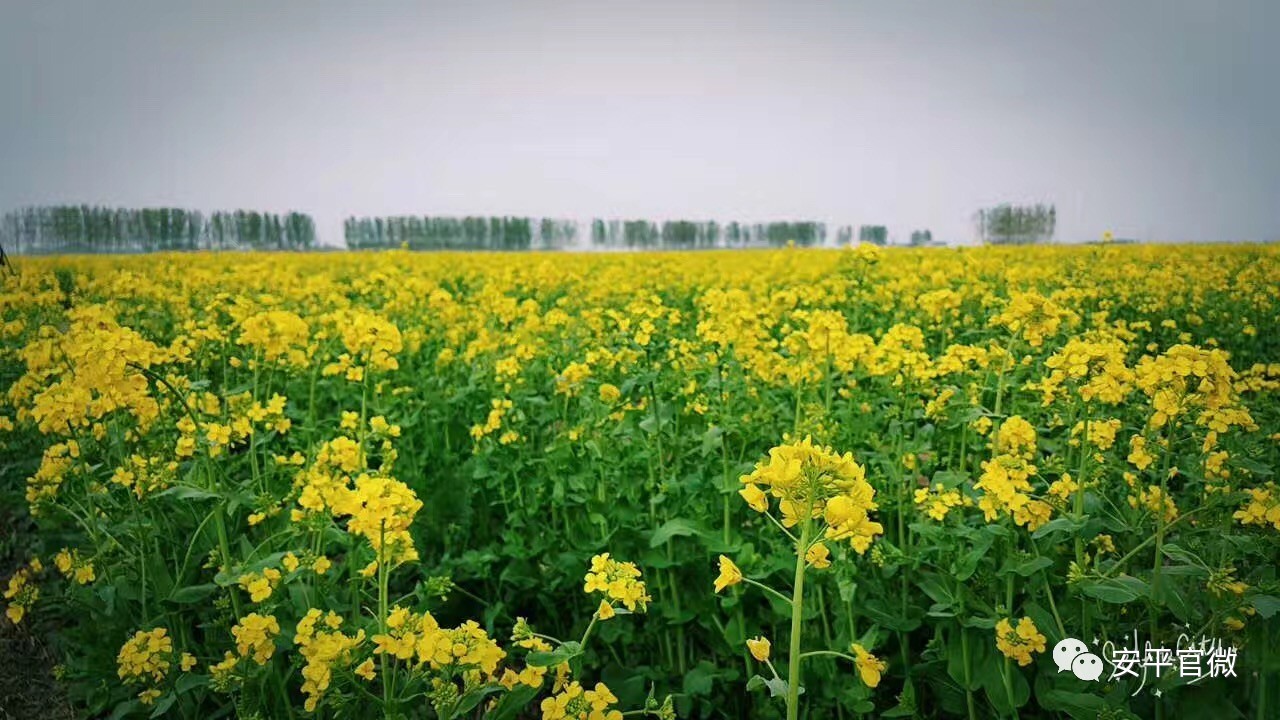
(1016, 224)
(85, 229)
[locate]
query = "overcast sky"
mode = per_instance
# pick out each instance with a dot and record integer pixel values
(1156, 118)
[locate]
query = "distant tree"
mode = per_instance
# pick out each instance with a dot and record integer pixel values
(921, 237)
(874, 234)
(299, 231)
(733, 235)
(1008, 224)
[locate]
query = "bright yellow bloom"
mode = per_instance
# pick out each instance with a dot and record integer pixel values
(617, 581)
(755, 497)
(869, 666)
(939, 501)
(322, 652)
(605, 611)
(1156, 501)
(260, 585)
(609, 394)
(379, 425)
(573, 702)
(279, 335)
(729, 575)
(1262, 507)
(759, 647)
(1021, 643)
(818, 556)
(21, 593)
(366, 670)
(1138, 454)
(146, 656)
(255, 637)
(813, 479)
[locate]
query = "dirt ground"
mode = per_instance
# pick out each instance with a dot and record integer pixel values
(27, 686)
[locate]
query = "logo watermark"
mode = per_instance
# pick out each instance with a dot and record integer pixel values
(1192, 659)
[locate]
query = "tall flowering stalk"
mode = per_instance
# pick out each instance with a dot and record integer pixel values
(825, 495)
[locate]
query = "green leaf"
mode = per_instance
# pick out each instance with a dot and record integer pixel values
(712, 440)
(968, 563)
(1077, 704)
(1185, 571)
(561, 654)
(1173, 598)
(1119, 590)
(937, 592)
(1067, 525)
(1253, 466)
(1180, 554)
(187, 492)
(471, 699)
(1266, 605)
(894, 620)
(778, 687)
(675, 527)
(950, 478)
(125, 708)
(699, 680)
(513, 702)
(162, 706)
(193, 594)
(190, 681)
(993, 684)
(1029, 567)
(979, 656)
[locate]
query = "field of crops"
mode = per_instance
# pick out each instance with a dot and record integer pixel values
(785, 483)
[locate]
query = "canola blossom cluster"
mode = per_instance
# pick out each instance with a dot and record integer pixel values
(812, 481)
(1021, 642)
(799, 482)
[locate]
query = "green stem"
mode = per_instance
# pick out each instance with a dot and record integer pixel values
(1008, 668)
(1078, 501)
(142, 560)
(968, 678)
(768, 589)
(1142, 545)
(224, 547)
(1156, 596)
(590, 626)
(797, 614)
(828, 378)
(382, 617)
(1262, 681)
(833, 653)
(1160, 523)
(781, 527)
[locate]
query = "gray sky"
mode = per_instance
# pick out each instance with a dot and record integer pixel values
(1152, 118)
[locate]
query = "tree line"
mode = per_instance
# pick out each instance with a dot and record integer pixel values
(458, 233)
(703, 234)
(523, 233)
(1017, 224)
(84, 228)
(90, 229)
